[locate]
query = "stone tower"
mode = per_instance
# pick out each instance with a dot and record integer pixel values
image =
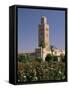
(43, 41)
(43, 37)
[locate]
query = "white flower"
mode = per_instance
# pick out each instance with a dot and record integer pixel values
(36, 78)
(24, 76)
(60, 72)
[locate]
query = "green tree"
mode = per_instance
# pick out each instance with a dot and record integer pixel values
(39, 59)
(55, 58)
(48, 57)
(22, 58)
(62, 57)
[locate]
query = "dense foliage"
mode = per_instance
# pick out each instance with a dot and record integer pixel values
(36, 70)
(49, 57)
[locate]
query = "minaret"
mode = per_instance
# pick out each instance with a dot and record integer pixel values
(43, 37)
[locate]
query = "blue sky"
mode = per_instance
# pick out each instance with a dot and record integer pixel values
(28, 21)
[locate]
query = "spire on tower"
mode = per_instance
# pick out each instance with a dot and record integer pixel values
(43, 20)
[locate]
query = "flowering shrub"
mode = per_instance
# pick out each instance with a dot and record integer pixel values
(37, 71)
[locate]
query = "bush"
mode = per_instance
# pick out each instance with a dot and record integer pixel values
(22, 58)
(41, 71)
(62, 58)
(48, 57)
(39, 59)
(55, 58)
